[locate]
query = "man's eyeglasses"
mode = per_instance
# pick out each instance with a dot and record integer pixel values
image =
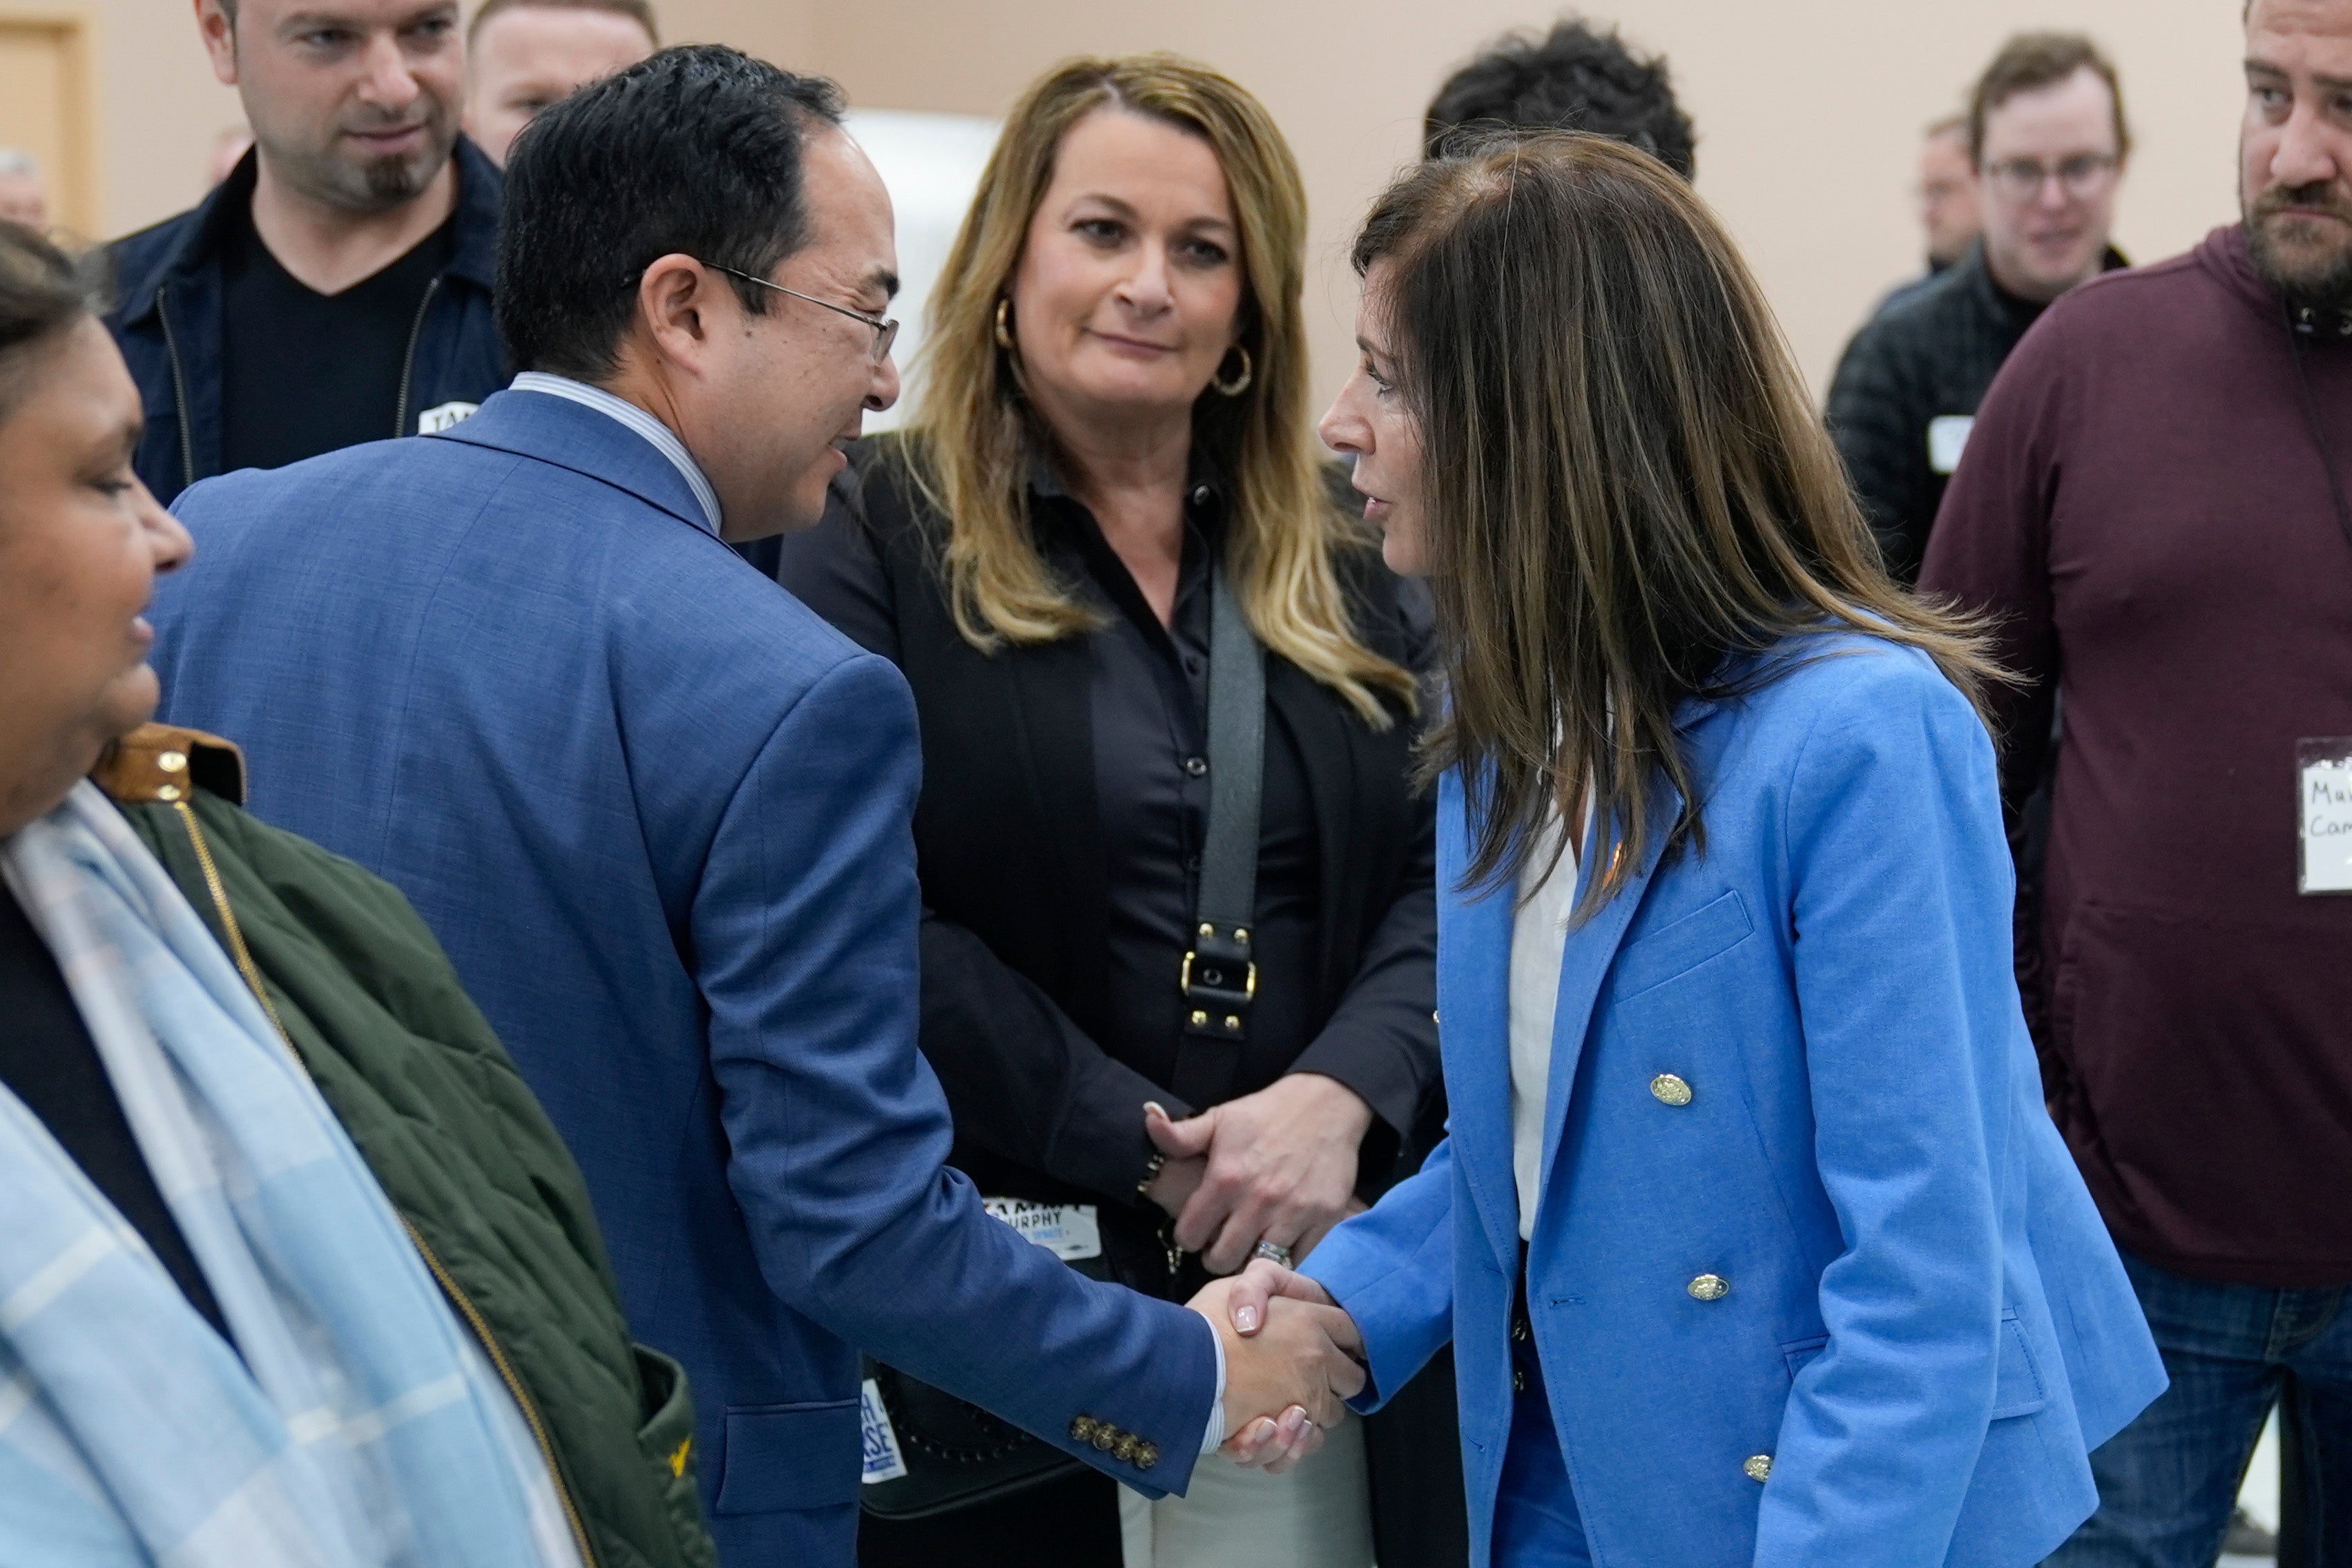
(884, 332)
(2082, 177)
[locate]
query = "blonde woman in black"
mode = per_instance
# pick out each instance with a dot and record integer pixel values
(1114, 434)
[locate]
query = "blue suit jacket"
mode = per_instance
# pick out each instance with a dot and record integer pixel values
(658, 813)
(1926, 1328)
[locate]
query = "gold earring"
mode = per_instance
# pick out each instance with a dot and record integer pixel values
(1003, 331)
(1240, 383)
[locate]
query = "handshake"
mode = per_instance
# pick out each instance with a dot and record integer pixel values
(1292, 1357)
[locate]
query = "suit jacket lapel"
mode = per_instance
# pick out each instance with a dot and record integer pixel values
(1592, 949)
(1473, 1010)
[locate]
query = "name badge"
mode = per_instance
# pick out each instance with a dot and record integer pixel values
(1069, 1230)
(884, 1462)
(2323, 813)
(441, 417)
(1948, 436)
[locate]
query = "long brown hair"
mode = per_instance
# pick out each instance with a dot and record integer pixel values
(977, 431)
(1626, 485)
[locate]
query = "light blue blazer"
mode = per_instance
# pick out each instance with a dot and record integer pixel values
(1926, 1328)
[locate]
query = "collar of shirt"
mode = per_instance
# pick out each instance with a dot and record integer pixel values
(663, 439)
(1204, 490)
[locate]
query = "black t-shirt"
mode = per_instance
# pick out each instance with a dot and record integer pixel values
(304, 373)
(46, 1057)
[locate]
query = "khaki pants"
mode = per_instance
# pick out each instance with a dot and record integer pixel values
(1317, 1516)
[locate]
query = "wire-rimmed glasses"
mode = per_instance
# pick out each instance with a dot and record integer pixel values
(2083, 176)
(886, 332)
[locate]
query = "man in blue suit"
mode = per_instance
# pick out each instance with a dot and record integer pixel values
(659, 813)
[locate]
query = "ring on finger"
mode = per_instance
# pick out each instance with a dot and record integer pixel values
(1272, 1252)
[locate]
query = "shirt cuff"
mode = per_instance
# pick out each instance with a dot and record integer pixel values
(1213, 1437)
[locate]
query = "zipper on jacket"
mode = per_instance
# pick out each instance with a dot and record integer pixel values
(449, 1287)
(408, 361)
(179, 394)
(465, 1305)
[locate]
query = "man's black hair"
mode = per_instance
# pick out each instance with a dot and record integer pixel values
(696, 150)
(1575, 77)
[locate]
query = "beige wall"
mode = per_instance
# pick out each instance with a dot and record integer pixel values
(1808, 110)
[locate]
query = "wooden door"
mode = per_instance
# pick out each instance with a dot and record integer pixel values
(46, 109)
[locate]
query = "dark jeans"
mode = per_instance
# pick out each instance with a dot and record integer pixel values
(2169, 1481)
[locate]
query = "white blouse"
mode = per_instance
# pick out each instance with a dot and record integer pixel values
(1539, 946)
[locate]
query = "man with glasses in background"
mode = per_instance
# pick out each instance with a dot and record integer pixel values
(2047, 140)
(1947, 195)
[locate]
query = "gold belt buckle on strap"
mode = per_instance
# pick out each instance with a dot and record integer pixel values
(1217, 1006)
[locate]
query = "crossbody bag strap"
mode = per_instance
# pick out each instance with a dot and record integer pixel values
(1220, 972)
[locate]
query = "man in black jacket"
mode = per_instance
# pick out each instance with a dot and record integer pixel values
(335, 288)
(2048, 139)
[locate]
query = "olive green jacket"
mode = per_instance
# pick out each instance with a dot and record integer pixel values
(497, 1209)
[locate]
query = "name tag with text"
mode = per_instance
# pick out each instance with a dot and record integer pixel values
(1069, 1230)
(883, 1461)
(442, 416)
(2323, 783)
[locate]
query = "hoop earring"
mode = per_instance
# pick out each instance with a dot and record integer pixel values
(1003, 330)
(1240, 383)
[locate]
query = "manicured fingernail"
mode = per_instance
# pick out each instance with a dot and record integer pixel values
(1156, 1105)
(1245, 1318)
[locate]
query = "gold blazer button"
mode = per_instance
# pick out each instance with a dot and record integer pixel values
(1670, 1089)
(1709, 1288)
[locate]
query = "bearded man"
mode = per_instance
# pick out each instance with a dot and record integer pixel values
(2153, 508)
(335, 288)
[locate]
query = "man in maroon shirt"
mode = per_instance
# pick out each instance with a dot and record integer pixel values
(2153, 506)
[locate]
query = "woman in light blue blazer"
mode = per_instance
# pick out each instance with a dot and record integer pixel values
(1752, 1237)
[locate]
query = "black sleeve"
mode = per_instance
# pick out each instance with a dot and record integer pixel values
(1382, 1041)
(1024, 1082)
(1879, 418)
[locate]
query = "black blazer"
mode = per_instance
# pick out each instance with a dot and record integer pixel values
(1012, 863)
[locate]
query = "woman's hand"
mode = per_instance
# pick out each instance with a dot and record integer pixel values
(1280, 1167)
(1174, 1184)
(1269, 1444)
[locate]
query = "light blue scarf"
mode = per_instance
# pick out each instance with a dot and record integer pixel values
(359, 1425)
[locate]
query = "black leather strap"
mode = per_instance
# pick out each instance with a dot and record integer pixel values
(1220, 973)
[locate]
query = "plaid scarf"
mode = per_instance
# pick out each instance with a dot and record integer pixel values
(353, 1422)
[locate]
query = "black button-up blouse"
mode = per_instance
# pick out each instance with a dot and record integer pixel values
(1027, 1081)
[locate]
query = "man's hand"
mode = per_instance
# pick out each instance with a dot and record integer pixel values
(1286, 1380)
(1274, 1445)
(1281, 1167)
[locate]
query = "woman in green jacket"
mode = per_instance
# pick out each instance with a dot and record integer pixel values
(292, 1269)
